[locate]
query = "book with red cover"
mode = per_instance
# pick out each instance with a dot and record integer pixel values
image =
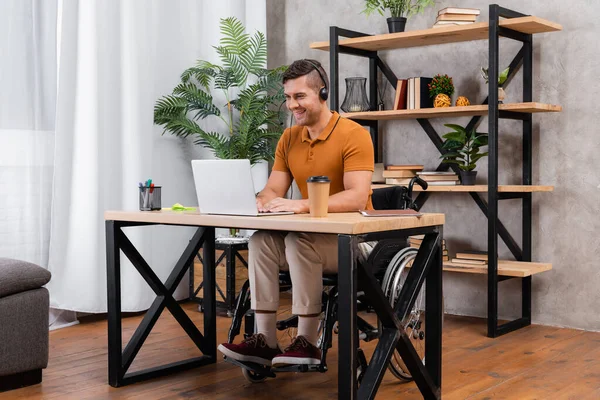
(401, 90)
(390, 213)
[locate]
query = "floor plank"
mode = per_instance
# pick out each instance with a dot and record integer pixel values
(537, 362)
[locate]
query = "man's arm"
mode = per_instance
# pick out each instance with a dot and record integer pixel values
(278, 184)
(357, 186)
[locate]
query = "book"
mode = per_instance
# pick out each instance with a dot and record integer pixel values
(434, 178)
(401, 89)
(450, 23)
(397, 181)
(422, 98)
(467, 261)
(441, 173)
(390, 213)
(442, 183)
(413, 167)
(482, 256)
(457, 10)
(411, 94)
(403, 173)
(456, 17)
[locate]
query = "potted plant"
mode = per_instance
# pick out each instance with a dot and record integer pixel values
(440, 86)
(399, 10)
(502, 77)
(252, 120)
(463, 149)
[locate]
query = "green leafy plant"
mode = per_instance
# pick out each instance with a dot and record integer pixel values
(463, 148)
(397, 8)
(253, 94)
(502, 76)
(441, 84)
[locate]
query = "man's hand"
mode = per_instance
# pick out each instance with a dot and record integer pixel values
(259, 205)
(281, 204)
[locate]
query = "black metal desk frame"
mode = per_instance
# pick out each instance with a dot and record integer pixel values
(427, 265)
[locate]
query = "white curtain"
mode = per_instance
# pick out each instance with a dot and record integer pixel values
(27, 109)
(116, 59)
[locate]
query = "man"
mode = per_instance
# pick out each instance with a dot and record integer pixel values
(321, 143)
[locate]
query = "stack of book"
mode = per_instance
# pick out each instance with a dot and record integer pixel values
(413, 94)
(471, 257)
(400, 174)
(453, 16)
(439, 178)
(415, 241)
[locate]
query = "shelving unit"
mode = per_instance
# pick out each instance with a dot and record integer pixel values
(514, 26)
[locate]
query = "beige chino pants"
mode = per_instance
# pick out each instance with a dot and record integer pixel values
(306, 255)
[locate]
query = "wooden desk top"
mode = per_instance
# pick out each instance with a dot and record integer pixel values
(344, 223)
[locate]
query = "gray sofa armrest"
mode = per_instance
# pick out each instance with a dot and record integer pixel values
(19, 276)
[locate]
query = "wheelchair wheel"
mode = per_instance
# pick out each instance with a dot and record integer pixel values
(414, 323)
(252, 376)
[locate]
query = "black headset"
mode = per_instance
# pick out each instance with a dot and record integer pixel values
(323, 92)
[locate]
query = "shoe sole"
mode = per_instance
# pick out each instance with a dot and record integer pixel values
(294, 361)
(242, 357)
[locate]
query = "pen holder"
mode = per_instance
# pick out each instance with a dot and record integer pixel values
(150, 198)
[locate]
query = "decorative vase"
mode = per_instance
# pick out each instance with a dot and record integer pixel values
(396, 24)
(356, 95)
(501, 95)
(467, 177)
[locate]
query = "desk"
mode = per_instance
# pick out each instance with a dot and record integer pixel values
(351, 228)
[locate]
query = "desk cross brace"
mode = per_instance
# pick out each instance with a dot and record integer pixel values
(119, 363)
(393, 336)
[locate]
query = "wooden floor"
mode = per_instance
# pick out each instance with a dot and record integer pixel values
(537, 362)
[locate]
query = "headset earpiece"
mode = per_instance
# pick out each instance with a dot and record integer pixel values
(324, 91)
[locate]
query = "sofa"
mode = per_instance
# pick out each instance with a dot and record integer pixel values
(24, 307)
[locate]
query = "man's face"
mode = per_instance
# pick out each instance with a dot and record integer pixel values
(302, 100)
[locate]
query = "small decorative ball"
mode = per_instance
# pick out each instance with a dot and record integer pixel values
(442, 100)
(462, 101)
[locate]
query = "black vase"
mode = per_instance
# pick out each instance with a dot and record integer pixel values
(467, 177)
(396, 24)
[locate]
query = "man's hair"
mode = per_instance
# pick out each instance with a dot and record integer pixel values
(307, 67)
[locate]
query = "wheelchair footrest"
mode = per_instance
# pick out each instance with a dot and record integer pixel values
(254, 367)
(300, 368)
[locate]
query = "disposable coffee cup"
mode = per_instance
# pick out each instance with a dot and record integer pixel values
(318, 195)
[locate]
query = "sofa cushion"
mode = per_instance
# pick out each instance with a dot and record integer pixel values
(18, 276)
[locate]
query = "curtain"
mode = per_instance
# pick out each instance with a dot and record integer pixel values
(27, 110)
(116, 59)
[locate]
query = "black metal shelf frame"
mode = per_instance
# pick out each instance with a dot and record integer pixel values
(524, 60)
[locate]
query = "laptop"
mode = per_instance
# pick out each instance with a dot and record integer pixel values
(225, 187)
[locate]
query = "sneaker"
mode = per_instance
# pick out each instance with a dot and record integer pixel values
(254, 349)
(301, 351)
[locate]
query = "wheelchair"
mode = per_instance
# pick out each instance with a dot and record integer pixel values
(388, 259)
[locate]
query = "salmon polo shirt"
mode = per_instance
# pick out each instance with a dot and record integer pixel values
(343, 146)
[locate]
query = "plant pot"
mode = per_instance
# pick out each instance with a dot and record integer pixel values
(467, 177)
(396, 24)
(501, 95)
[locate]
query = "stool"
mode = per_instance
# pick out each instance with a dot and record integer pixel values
(24, 307)
(230, 248)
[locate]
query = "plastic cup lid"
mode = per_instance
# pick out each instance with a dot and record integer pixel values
(319, 178)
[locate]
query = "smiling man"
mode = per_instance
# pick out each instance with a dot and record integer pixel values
(321, 143)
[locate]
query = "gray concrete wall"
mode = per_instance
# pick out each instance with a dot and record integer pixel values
(566, 223)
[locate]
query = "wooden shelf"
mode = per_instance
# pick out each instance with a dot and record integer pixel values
(505, 268)
(450, 34)
(451, 112)
(475, 188)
